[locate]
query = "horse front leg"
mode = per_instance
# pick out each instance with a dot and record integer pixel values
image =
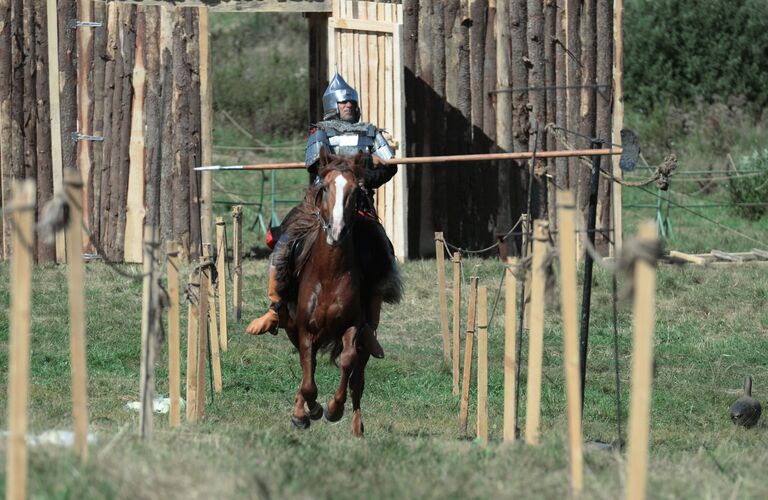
(356, 387)
(335, 409)
(308, 390)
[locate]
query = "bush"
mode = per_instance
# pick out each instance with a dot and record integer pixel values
(677, 51)
(748, 188)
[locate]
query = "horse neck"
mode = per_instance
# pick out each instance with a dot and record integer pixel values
(336, 259)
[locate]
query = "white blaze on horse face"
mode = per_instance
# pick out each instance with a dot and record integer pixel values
(337, 216)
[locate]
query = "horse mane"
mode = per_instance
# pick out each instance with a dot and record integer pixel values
(305, 226)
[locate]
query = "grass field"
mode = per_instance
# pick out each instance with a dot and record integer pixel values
(711, 330)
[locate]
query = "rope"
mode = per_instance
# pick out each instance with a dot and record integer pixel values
(661, 175)
(509, 233)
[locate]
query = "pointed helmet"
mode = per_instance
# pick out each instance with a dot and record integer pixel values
(338, 91)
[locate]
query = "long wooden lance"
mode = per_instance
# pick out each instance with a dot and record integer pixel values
(420, 160)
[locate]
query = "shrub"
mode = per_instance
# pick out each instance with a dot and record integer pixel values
(748, 188)
(676, 51)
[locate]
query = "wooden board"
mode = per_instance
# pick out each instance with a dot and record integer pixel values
(247, 5)
(365, 45)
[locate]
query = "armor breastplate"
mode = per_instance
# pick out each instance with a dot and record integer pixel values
(347, 139)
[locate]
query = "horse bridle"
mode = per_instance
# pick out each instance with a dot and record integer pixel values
(324, 224)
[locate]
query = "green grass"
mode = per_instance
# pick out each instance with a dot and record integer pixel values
(711, 330)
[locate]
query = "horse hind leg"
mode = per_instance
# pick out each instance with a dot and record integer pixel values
(307, 393)
(335, 408)
(356, 387)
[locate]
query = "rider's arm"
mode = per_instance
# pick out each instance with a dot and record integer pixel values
(317, 140)
(379, 173)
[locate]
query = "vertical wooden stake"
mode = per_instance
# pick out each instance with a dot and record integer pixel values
(440, 258)
(22, 209)
(568, 306)
(237, 224)
(536, 343)
(148, 334)
(456, 260)
(482, 364)
(467, 377)
(202, 337)
(213, 331)
(221, 268)
(510, 334)
(193, 320)
(174, 337)
(643, 322)
(525, 227)
(76, 283)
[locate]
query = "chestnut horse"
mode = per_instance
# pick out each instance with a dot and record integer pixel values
(327, 305)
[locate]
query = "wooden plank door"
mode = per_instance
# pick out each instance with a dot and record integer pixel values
(365, 47)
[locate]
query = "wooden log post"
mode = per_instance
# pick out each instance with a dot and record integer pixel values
(482, 364)
(193, 320)
(174, 337)
(237, 279)
(202, 337)
(618, 120)
(536, 342)
(76, 285)
(456, 260)
(467, 375)
(504, 127)
(149, 324)
(206, 125)
(21, 211)
(85, 106)
(135, 209)
(440, 258)
(510, 350)
(213, 331)
(644, 319)
(55, 103)
(221, 271)
(568, 306)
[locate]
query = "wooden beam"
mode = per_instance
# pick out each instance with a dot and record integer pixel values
(76, 286)
(148, 333)
(694, 259)
(23, 216)
(644, 319)
(237, 280)
(206, 126)
(510, 362)
(221, 271)
(193, 318)
(245, 5)
(362, 25)
(174, 334)
(456, 261)
(440, 259)
(55, 99)
(467, 373)
(568, 306)
(536, 343)
(482, 364)
(618, 120)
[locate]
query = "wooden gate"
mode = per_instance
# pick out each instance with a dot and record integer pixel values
(364, 45)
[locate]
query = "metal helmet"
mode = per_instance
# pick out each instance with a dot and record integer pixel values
(338, 91)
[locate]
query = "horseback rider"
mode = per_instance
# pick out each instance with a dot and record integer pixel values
(343, 134)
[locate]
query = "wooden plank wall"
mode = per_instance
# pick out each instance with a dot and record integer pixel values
(365, 46)
(451, 56)
(140, 92)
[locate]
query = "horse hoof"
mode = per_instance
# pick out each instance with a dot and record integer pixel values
(300, 423)
(331, 417)
(316, 411)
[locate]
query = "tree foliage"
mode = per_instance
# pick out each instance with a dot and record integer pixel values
(678, 51)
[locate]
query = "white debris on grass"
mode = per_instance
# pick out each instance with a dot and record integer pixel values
(53, 437)
(160, 404)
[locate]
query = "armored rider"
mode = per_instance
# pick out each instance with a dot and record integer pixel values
(340, 133)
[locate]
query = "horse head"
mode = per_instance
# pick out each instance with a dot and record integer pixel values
(336, 199)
